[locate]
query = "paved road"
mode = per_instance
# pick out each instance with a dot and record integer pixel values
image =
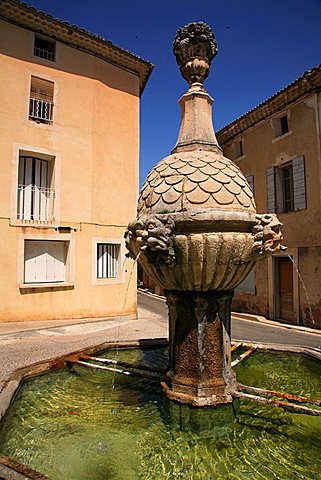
(246, 330)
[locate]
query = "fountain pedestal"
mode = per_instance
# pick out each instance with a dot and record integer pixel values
(199, 340)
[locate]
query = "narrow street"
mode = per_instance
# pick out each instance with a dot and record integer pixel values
(246, 330)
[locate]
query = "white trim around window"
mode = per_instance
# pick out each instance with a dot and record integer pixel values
(108, 260)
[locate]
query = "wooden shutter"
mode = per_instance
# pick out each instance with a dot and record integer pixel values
(299, 189)
(41, 89)
(271, 190)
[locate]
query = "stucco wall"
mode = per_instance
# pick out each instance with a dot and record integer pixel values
(302, 229)
(94, 140)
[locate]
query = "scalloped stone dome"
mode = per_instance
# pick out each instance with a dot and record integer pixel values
(194, 180)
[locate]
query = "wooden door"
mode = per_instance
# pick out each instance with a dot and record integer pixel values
(286, 289)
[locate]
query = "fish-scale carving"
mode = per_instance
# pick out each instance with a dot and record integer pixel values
(178, 164)
(222, 177)
(233, 167)
(155, 182)
(173, 179)
(179, 187)
(161, 167)
(189, 186)
(146, 191)
(224, 197)
(187, 170)
(162, 188)
(152, 174)
(233, 188)
(168, 171)
(198, 163)
(248, 191)
(152, 199)
(198, 176)
(171, 196)
(196, 179)
(198, 196)
(209, 169)
(211, 185)
(243, 199)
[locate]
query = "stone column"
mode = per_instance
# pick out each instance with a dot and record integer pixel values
(199, 370)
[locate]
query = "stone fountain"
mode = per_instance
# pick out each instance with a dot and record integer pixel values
(198, 235)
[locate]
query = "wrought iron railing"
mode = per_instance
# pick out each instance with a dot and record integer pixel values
(40, 110)
(43, 53)
(35, 204)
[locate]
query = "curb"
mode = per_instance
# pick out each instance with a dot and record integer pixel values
(250, 317)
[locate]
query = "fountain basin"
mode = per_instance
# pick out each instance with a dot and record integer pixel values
(75, 425)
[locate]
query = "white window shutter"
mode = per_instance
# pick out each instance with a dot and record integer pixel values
(271, 190)
(45, 261)
(55, 261)
(28, 189)
(299, 190)
(35, 261)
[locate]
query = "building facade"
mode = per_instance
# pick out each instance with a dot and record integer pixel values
(277, 145)
(69, 168)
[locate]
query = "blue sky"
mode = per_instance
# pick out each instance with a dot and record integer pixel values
(263, 46)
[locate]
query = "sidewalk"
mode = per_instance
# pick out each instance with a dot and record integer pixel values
(29, 343)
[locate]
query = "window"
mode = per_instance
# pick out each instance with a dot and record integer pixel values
(44, 48)
(238, 148)
(286, 190)
(250, 181)
(41, 100)
(286, 174)
(35, 197)
(107, 260)
(45, 261)
(280, 125)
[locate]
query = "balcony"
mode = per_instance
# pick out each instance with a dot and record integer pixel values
(35, 205)
(40, 110)
(44, 53)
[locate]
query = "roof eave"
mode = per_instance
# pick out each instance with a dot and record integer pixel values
(305, 85)
(28, 17)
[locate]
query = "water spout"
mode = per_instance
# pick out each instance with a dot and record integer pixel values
(296, 267)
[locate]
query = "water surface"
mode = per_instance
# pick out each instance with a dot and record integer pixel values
(83, 424)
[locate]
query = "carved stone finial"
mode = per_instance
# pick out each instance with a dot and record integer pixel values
(194, 48)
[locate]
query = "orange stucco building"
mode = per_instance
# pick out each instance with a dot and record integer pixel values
(278, 147)
(69, 168)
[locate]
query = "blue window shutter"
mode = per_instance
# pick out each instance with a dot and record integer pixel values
(250, 181)
(271, 190)
(299, 190)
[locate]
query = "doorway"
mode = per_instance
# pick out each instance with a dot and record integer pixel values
(285, 298)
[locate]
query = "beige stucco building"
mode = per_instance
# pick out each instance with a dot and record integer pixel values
(277, 145)
(69, 168)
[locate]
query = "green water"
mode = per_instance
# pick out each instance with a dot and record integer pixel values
(83, 424)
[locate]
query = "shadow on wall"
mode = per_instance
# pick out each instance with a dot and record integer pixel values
(246, 303)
